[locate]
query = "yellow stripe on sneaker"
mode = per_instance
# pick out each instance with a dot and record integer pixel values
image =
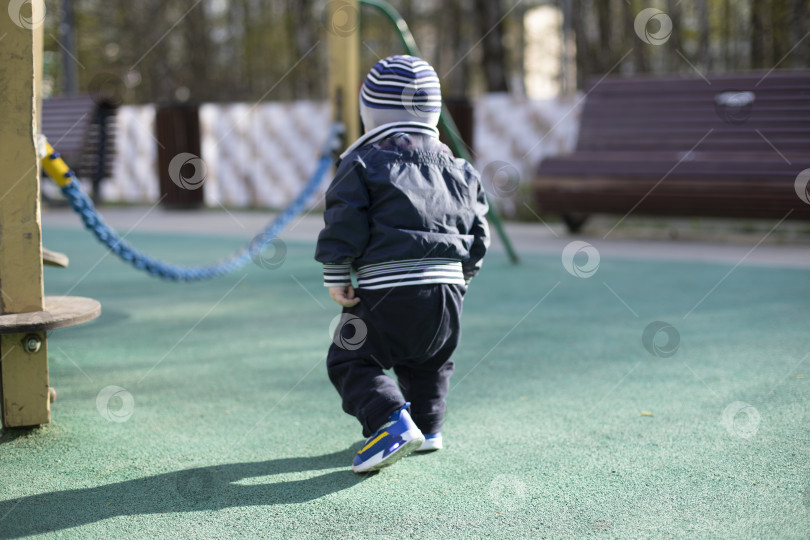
(372, 443)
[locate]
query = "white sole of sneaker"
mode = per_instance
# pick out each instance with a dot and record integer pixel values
(430, 445)
(377, 462)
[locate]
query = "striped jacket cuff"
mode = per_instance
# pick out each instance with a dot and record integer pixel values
(337, 275)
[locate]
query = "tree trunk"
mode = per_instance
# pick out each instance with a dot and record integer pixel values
(583, 57)
(726, 36)
(758, 32)
(488, 14)
(675, 43)
(780, 31)
(304, 31)
(639, 56)
(704, 58)
(604, 52)
(800, 12)
(197, 56)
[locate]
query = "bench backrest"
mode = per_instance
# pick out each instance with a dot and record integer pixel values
(752, 113)
(74, 126)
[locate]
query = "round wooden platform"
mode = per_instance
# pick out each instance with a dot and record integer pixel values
(59, 312)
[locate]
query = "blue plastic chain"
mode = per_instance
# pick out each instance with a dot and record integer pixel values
(83, 206)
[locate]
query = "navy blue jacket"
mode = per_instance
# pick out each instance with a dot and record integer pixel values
(402, 210)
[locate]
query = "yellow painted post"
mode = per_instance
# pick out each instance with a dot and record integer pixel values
(343, 27)
(23, 367)
(39, 46)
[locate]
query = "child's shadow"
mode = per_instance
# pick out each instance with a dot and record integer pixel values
(201, 488)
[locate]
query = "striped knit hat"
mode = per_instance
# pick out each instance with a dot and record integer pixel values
(400, 89)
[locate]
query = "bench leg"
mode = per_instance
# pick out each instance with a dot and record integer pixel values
(574, 222)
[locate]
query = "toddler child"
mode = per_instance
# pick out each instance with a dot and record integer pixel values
(409, 219)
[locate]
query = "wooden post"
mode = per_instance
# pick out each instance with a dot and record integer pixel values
(343, 27)
(23, 368)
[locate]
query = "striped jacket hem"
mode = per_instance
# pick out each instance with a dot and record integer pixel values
(396, 273)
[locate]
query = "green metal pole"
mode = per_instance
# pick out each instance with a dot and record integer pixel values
(445, 120)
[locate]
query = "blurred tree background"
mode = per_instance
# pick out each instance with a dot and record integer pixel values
(247, 50)
(708, 36)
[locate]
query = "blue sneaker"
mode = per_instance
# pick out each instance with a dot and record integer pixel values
(432, 442)
(393, 441)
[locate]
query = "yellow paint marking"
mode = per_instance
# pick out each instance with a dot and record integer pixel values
(372, 443)
(57, 169)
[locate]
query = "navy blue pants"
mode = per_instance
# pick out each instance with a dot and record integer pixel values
(412, 329)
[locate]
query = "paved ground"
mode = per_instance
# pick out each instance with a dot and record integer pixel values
(661, 394)
(787, 244)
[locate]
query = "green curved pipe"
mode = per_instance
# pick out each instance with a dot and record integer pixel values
(445, 119)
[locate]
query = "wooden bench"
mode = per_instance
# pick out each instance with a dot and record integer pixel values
(731, 146)
(82, 130)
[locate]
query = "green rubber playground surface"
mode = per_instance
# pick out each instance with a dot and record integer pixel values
(564, 421)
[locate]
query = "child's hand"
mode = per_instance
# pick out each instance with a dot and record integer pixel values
(343, 295)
